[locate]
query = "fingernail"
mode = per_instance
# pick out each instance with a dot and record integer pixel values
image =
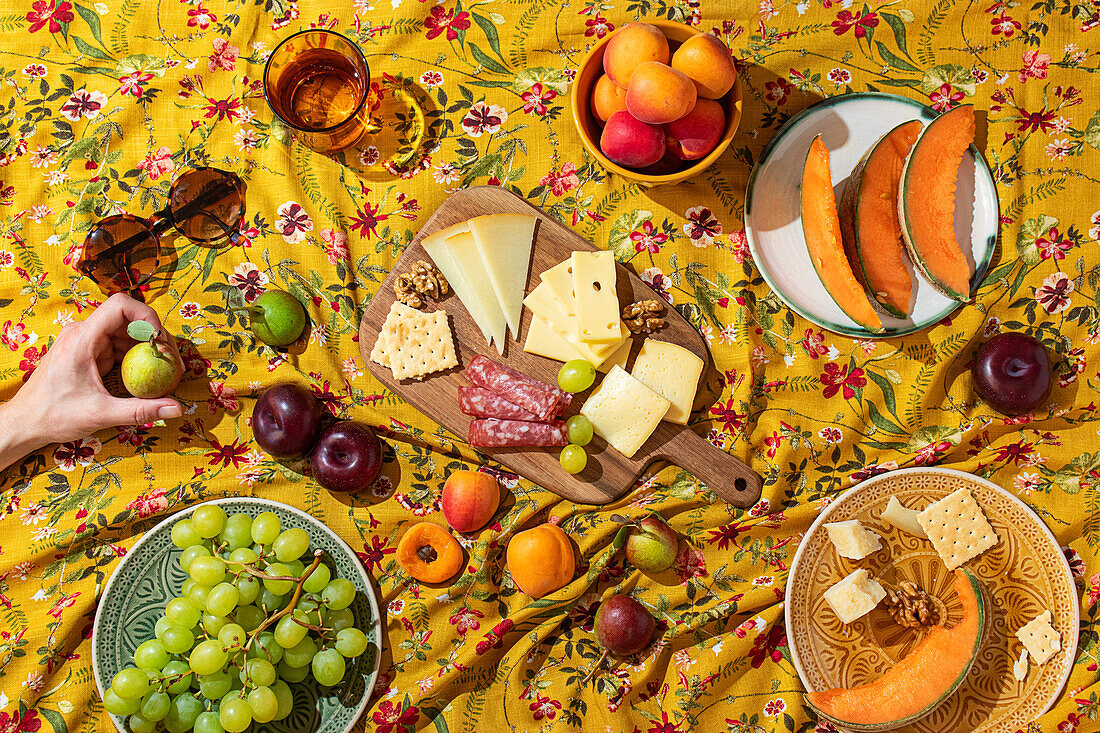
(169, 412)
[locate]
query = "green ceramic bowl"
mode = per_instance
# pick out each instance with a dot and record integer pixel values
(149, 576)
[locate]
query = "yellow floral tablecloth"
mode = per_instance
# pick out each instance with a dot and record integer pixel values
(102, 103)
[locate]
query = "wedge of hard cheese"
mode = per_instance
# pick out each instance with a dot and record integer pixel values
(504, 242)
(455, 253)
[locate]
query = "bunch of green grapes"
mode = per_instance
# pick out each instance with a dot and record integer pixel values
(251, 620)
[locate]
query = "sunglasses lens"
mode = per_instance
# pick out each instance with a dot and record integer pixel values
(120, 253)
(207, 204)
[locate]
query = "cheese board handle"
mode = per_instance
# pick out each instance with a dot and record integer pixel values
(727, 476)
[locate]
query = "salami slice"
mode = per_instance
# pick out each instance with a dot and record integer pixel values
(539, 398)
(480, 402)
(493, 433)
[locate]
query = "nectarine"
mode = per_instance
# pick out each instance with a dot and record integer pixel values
(708, 63)
(659, 93)
(631, 45)
(630, 142)
(470, 498)
(697, 133)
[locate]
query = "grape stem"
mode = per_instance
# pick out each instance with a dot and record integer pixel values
(289, 608)
(247, 567)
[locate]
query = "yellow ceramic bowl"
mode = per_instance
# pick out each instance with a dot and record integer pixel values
(589, 128)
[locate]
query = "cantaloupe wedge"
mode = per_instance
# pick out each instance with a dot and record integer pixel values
(869, 221)
(821, 229)
(919, 683)
(926, 201)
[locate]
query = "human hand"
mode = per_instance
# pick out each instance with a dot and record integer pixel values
(64, 399)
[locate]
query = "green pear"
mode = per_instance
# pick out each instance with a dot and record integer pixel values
(652, 545)
(277, 318)
(151, 369)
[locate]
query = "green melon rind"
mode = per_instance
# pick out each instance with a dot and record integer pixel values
(849, 211)
(903, 219)
(984, 623)
(801, 212)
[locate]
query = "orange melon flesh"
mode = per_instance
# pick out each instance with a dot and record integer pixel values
(869, 221)
(821, 227)
(927, 202)
(920, 680)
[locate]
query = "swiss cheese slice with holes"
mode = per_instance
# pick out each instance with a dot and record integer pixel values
(504, 242)
(597, 303)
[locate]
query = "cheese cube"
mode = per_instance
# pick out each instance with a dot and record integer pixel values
(852, 540)
(671, 371)
(597, 303)
(902, 518)
(1040, 638)
(854, 596)
(623, 411)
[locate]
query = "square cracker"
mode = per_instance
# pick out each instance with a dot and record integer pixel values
(957, 528)
(380, 354)
(1040, 639)
(420, 346)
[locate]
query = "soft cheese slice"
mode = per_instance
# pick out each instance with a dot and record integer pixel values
(671, 371)
(436, 247)
(623, 411)
(597, 303)
(854, 596)
(504, 241)
(852, 540)
(903, 518)
(464, 253)
(543, 304)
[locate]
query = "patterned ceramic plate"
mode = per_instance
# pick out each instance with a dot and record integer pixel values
(1023, 576)
(849, 124)
(149, 576)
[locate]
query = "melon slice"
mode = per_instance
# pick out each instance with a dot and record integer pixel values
(926, 202)
(919, 683)
(821, 229)
(869, 221)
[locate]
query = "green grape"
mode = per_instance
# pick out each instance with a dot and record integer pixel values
(309, 609)
(328, 667)
(278, 587)
(340, 620)
(182, 613)
(297, 568)
(339, 593)
(245, 555)
(197, 594)
(265, 647)
(188, 556)
(271, 601)
(301, 654)
(182, 714)
(151, 654)
(116, 705)
(232, 636)
(130, 683)
(293, 675)
(156, 706)
(184, 534)
(208, 520)
(215, 686)
(248, 589)
(573, 459)
(263, 704)
(580, 430)
(249, 617)
(576, 375)
(180, 672)
(160, 626)
(212, 624)
(291, 544)
(208, 722)
(235, 715)
(266, 528)
(222, 599)
(288, 633)
(138, 724)
(351, 642)
(208, 570)
(317, 580)
(260, 672)
(208, 657)
(187, 586)
(237, 532)
(284, 697)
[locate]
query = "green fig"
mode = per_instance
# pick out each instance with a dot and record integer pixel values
(277, 318)
(151, 369)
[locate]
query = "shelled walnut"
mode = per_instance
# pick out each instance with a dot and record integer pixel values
(910, 606)
(422, 280)
(644, 316)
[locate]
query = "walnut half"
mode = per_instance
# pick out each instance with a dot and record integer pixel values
(910, 606)
(422, 280)
(644, 316)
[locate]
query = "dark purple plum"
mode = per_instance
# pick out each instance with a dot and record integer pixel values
(286, 420)
(347, 457)
(1012, 373)
(623, 626)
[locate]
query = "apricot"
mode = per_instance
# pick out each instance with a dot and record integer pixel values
(541, 560)
(631, 45)
(708, 63)
(607, 98)
(659, 93)
(429, 553)
(470, 498)
(698, 132)
(630, 142)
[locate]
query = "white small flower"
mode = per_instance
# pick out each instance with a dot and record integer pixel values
(3, 700)
(789, 359)
(40, 595)
(53, 240)
(833, 353)
(34, 682)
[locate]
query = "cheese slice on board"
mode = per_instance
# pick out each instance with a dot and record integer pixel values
(504, 241)
(672, 371)
(543, 340)
(623, 411)
(597, 302)
(541, 303)
(438, 246)
(559, 279)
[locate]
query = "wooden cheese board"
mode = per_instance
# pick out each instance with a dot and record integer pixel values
(609, 474)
